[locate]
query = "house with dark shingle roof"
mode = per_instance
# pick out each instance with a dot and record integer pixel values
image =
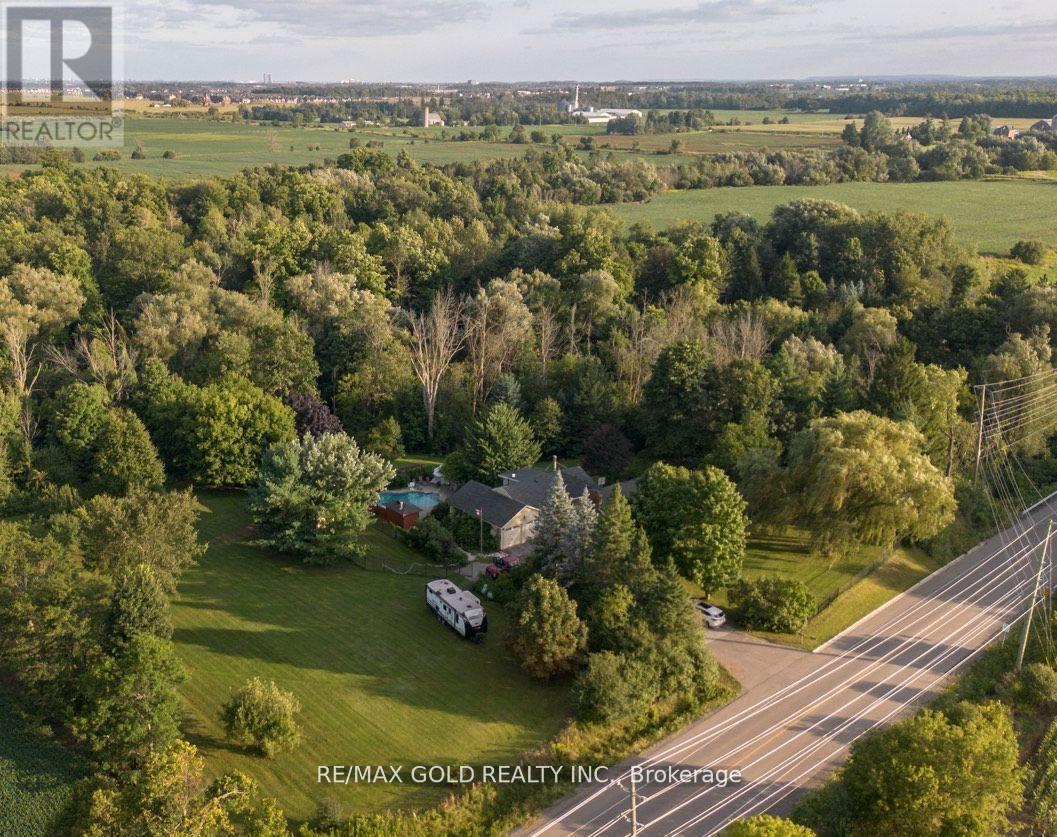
(532, 485)
(511, 522)
(512, 509)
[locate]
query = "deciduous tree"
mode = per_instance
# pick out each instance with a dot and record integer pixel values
(311, 497)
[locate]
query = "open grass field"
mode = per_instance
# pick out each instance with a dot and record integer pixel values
(989, 215)
(852, 584)
(36, 778)
(379, 680)
(207, 147)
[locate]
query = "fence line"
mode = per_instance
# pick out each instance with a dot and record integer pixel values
(420, 568)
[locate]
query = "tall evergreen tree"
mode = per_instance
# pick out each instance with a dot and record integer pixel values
(498, 441)
(555, 519)
(612, 539)
(576, 540)
(548, 637)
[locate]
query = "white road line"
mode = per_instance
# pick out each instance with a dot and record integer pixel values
(884, 660)
(769, 700)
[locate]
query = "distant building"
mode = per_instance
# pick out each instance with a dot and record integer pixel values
(1007, 131)
(430, 119)
(565, 106)
(1045, 125)
(591, 114)
(604, 115)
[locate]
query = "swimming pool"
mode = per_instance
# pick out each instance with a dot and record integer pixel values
(425, 500)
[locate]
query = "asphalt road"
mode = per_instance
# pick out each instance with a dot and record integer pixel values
(801, 711)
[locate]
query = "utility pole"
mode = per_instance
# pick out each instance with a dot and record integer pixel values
(980, 432)
(631, 815)
(634, 811)
(1034, 597)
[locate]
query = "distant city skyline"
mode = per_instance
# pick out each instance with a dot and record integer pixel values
(524, 40)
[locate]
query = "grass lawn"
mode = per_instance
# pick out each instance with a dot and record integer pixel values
(36, 778)
(839, 581)
(379, 680)
(987, 215)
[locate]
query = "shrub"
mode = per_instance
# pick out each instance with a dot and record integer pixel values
(772, 604)
(1036, 685)
(1029, 252)
(612, 687)
(1044, 792)
(263, 714)
(766, 825)
(168, 154)
(432, 539)
(465, 528)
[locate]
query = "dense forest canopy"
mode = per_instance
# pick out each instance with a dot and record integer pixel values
(287, 330)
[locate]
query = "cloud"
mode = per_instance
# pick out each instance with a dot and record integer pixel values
(316, 18)
(1014, 29)
(714, 12)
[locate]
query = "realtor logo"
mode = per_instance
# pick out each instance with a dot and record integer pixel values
(62, 85)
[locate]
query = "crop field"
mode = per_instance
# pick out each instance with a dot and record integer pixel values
(36, 778)
(379, 680)
(207, 147)
(987, 215)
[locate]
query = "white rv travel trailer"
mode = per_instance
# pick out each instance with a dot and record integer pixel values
(459, 609)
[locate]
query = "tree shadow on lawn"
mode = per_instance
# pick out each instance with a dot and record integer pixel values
(430, 673)
(194, 734)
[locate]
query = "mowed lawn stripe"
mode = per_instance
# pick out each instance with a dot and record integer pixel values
(379, 680)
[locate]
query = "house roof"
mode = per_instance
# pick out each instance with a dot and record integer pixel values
(496, 509)
(627, 488)
(531, 486)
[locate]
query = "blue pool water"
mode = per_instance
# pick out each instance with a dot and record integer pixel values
(423, 499)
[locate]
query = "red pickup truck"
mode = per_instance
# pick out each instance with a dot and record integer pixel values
(502, 564)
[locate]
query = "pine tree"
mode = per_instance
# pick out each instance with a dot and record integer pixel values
(785, 281)
(548, 637)
(638, 563)
(612, 539)
(576, 540)
(556, 518)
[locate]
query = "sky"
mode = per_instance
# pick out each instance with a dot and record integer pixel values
(593, 40)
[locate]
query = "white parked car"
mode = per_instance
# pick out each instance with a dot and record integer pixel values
(713, 616)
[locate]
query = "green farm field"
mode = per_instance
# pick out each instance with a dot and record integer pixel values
(37, 776)
(207, 147)
(988, 215)
(379, 680)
